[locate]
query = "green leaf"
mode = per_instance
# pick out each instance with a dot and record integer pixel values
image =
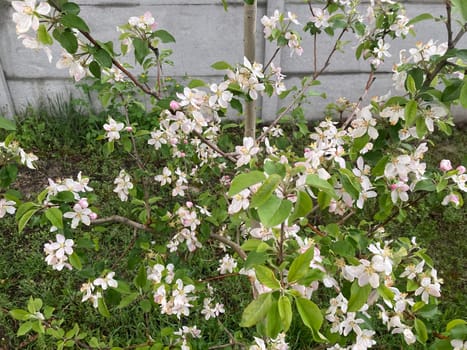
(141, 279)
(242, 181)
(73, 21)
(310, 313)
(420, 329)
(419, 18)
(410, 113)
(420, 127)
(67, 39)
(343, 248)
(452, 91)
(224, 3)
(164, 35)
(410, 84)
(455, 323)
(463, 94)
(386, 293)
(7, 124)
(70, 8)
(358, 296)
(461, 7)
(273, 321)
(301, 265)
(378, 169)
(103, 58)
(251, 244)
(75, 261)
(141, 49)
(19, 314)
(257, 310)
(285, 312)
(249, 2)
(221, 65)
(266, 276)
(425, 185)
(303, 206)
(265, 191)
(274, 211)
(102, 307)
(256, 258)
(22, 222)
(237, 105)
(127, 300)
(24, 328)
(271, 167)
(95, 69)
(43, 35)
(322, 185)
(350, 182)
(54, 215)
(145, 305)
(195, 83)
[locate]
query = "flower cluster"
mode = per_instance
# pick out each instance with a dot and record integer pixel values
(58, 252)
(92, 291)
(124, 185)
(11, 151)
(189, 221)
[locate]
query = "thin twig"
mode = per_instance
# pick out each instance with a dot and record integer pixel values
(369, 83)
(271, 59)
(117, 64)
(122, 220)
(214, 147)
(304, 89)
(229, 243)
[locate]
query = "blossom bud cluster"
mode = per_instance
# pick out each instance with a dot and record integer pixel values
(458, 177)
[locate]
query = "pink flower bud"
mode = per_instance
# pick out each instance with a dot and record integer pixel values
(393, 187)
(445, 165)
(450, 198)
(93, 216)
(174, 105)
(129, 128)
(461, 169)
(189, 204)
(83, 203)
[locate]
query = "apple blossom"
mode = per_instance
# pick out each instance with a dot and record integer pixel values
(246, 151)
(320, 18)
(79, 214)
(113, 129)
(27, 14)
(106, 282)
(58, 252)
(124, 185)
(7, 206)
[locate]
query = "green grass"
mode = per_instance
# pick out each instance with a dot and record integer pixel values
(65, 142)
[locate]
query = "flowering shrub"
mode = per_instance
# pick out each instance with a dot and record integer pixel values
(283, 215)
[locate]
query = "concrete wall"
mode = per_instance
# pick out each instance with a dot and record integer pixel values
(25, 78)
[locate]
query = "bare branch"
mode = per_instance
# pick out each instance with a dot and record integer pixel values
(231, 244)
(122, 220)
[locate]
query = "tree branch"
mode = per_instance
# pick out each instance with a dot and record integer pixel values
(122, 220)
(229, 243)
(117, 64)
